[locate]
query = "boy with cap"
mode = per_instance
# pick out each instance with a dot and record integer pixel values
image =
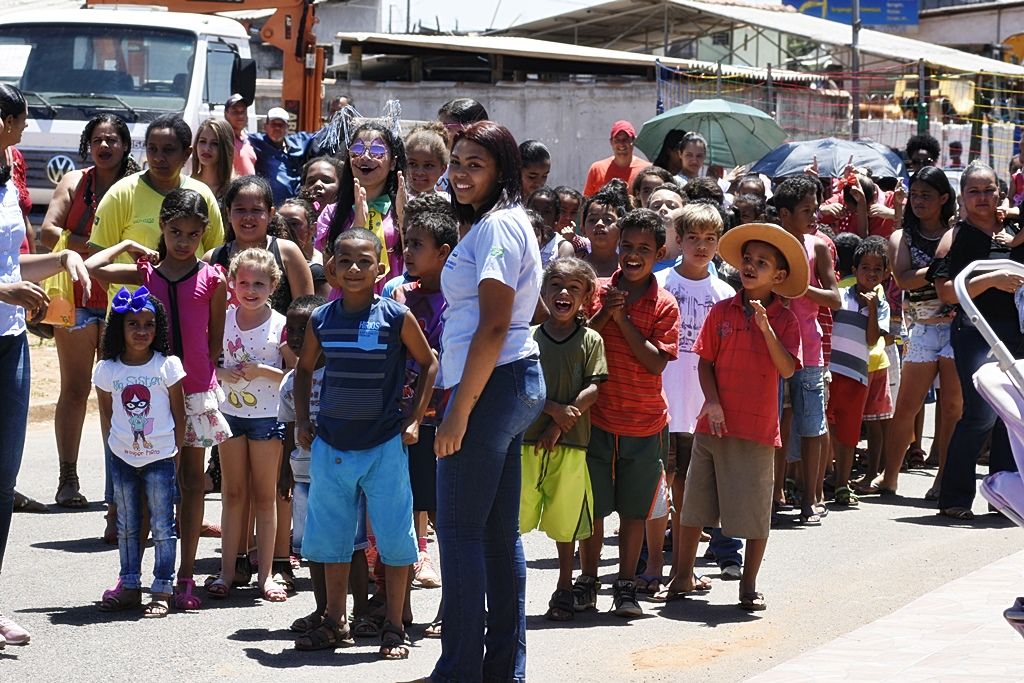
(280, 155)
(746, 343)
(621, 164)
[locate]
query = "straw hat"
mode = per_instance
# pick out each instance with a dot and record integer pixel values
(797, 278)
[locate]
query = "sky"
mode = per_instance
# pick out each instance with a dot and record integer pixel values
(479, 15)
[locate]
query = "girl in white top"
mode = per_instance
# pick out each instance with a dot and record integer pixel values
(251, 373)
(140, 395)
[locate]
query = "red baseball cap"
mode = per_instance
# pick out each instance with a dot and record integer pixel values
(623, 127)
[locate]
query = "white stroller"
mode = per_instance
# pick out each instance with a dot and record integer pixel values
(1001, 384)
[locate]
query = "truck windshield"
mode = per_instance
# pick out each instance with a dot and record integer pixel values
(71, 71)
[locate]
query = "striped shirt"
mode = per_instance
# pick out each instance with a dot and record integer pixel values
(631, 401)
(360, 400)
(849, 334)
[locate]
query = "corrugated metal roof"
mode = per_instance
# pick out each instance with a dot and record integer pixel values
(555, 51)
(873, 43)
(635, 23)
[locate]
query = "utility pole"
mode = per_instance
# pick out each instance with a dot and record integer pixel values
(922, 99)
(855, 68)
(408, 16)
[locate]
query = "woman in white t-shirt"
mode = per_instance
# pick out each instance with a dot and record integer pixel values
(490, 361)
(18, 294)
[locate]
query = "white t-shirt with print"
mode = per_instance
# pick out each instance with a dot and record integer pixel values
(299, 457)
(141, 423)
(680, 381)
(260, 345)
(500, 246)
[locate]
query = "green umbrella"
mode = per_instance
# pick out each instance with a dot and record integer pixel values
(736, 134)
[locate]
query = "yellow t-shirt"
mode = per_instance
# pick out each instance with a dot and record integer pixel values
(877, 358)
(130, 210)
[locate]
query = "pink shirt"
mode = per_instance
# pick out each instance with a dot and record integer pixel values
(245, 156)
(187, 303)
(806, 312)
(392, 243)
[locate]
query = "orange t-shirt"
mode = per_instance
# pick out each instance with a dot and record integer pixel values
(604, 170)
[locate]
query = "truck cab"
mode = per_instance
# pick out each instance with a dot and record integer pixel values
(136, 63)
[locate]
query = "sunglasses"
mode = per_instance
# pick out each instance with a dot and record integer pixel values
(376, 149)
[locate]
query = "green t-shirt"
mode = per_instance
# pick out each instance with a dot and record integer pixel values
(569, 366)
(130, 210)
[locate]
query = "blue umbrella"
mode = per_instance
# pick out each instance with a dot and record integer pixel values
(832, 155)
(736, 134)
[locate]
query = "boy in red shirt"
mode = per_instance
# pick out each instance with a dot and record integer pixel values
(639, 322)
(747, 342)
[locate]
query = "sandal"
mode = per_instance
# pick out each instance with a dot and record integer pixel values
(932, 494)
(560, 606)
(915, 459)
(701, 584)
(23, 503)
(327, 636)
(366, 626)
(68, 493)
(183, 597)
(116, 590)
(157, 608)
(433, 629)
(845, 497)
(123, 600)
(275, 594)
(808, 518)
(285, 580)
(753, 602)
(394, 644)
(648, 584)
(209, 530)
(218, 589)
(307, 623)
(958, 513)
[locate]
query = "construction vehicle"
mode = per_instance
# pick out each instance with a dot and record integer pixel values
(142, 62)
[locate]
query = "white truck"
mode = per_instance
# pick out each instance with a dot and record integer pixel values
(137, 63)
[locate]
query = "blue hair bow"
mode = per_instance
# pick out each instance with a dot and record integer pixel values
(127, 302)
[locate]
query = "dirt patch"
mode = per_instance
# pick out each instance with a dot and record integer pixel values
(750, 639)
(45, 371)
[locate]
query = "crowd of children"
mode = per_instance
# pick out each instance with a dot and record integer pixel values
(712, 353)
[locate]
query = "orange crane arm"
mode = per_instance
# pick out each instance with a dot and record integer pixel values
(290, 29)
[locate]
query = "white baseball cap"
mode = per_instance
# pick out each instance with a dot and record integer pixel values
(277, 113)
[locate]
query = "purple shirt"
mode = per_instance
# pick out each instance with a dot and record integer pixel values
(428, 305)
(392, 243)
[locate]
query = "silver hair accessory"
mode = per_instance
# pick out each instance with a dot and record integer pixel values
(336, 136)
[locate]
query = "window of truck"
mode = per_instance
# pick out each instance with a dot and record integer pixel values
(75, 70)
(220, 63)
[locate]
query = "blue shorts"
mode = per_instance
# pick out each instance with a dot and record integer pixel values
(255, 428)
(807, 394)
(300, 506)
(338, 479)
(928, 343)
(88, 316)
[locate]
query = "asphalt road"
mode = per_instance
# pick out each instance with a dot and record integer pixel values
(819, 583)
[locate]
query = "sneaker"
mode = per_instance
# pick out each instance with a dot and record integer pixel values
(13, 634)
(425, 575)
(584, 593)
(731, 572)
(624, 602)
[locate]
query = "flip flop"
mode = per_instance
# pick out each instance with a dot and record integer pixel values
(644, 583)
(23, 503)
(218, 589)
(275, 594)
(753, 602)
(958, 513)
(812, 519)
(701, 585)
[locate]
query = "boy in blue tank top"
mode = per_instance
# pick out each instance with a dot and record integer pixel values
(359, 442)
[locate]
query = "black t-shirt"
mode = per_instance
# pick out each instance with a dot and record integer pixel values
(972, 244)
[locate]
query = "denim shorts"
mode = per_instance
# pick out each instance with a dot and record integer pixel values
(256, 428)
(338, 480)
(88, 316)
(807, 394)
(928, 343)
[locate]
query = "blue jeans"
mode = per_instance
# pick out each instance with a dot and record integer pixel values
(14, 377)
(478, 533)
(156, 480)
(970, 349)
(725, 549)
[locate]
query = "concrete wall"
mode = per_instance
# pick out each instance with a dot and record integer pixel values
(573, 120)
